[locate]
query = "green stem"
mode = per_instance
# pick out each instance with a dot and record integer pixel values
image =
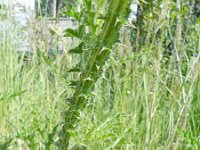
(118, 9)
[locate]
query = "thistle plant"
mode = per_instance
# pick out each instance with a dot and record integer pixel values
(96, 41)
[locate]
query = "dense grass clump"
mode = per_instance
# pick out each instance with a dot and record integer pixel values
(145, 96)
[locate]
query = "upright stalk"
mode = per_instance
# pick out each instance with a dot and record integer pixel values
(118, 9)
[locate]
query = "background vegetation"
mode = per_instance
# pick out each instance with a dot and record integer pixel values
(146, 97)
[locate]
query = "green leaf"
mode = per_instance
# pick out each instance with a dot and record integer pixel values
(71, 33)
(12, 95)
(73, 13)
(74, 83)
(73, 135)
(78, 49)
(75, 69)
(75, 32)
(88, 4)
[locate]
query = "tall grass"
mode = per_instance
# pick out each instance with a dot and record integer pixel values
(144, 99)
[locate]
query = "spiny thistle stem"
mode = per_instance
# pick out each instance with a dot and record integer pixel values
(118, 9)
